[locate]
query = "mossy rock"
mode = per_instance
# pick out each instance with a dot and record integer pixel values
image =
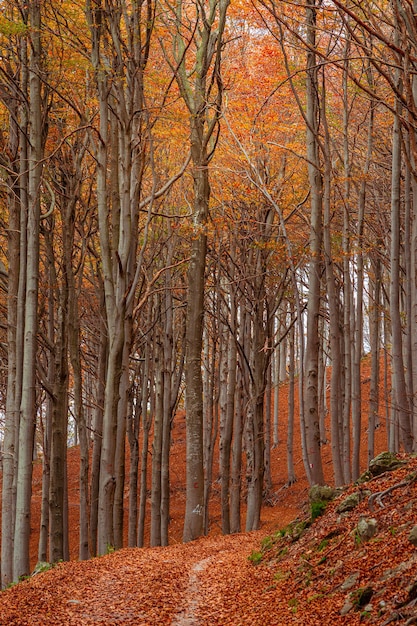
(298, 530)
(294, 530)
(363, 478)
(352, 501)
(384, 462)
(322, 493)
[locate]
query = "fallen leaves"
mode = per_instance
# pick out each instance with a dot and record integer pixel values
(212, 582)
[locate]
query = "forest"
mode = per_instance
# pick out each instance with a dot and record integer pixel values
(200, 200)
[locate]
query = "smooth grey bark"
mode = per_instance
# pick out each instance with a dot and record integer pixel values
(399, 390)
(255, 450)
(21, 564)
(262, 310)
(227, 396)
(173, 364)
(347, 354)
(157, 443)
(194, 513)
(56, 386)
(268, 429)
(312, 421)
(210, 427)
(276, 367)
(16, 255)
(225, 427)
(358, 347)
(133, 424)
(45, 426)
(291, 477)
(239, 420)
(101, 367)
(146, 425)
(359, 317)
(375, 333)
(120, 450)
(334, 321)
(79, 412)
(70, 163)
(125, 34)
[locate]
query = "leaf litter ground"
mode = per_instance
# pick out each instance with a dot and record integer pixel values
(213, 582)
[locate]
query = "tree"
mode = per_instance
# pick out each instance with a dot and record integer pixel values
(200, 84)
(122, 139)
(17, 209)
(21, 565)
(316, 234)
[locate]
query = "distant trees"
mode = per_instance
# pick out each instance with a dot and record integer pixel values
(178, 229)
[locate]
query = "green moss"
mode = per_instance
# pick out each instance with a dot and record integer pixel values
(317, 508)
(322, 545)
(255, 557)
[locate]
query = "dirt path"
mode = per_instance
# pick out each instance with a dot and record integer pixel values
(198, 584)
(187, 616)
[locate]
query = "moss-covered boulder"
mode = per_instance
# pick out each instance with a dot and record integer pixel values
(384, 462)
(352, 501)
(322, 493)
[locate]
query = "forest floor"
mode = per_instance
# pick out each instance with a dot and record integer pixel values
(260, 578)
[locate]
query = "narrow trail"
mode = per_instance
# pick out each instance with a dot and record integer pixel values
(197, 584)
(187, 615)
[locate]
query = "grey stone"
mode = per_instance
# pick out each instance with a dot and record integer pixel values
(367, 528)
(352, 501)
(412, 537)
(350, 581)
(384, 462)
(320, 493)
(348, 606)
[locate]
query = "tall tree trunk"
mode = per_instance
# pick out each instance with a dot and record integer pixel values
(17, 204)
(133, 423)
(194, 511)
(291, 478)
(334, 322)
(46, 456)
(146, 421)
(375, 355)
(312, 421)
(210, 427)
(21, 564)
(101, 366)
(399, 390)
(120, 451)
(239, 418)
(206, 87)
(268, 413)
(58, 462)
(157, 444)
(227, 400)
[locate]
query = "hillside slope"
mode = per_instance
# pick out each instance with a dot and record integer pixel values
(325, 573)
